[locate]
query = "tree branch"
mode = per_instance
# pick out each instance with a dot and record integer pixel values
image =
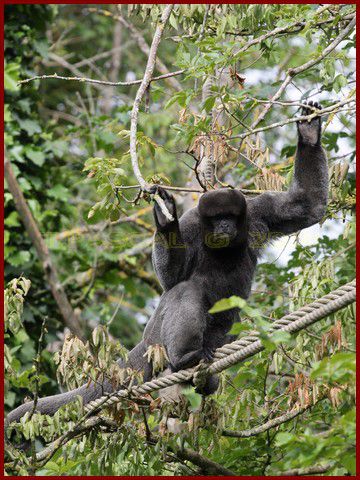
(115, 68)
(134, 218)
(141, 91)
(207, 466)
(99, 82)
(189, 190)
(143, 45)
(274, 422)
(100, 56)
(285, 29)
(46, 454)
(309, 470)
(71, 320)
(137, 272)
(301, 25)
(335, 108)
(135, 110)
(292, 72)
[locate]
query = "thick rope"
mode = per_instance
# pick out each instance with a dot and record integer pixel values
(239, 350)
(286, 320)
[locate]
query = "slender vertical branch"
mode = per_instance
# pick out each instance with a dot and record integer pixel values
(70, 318)
(37, 360)
(135, 110)
(141, 91)
(115, 67)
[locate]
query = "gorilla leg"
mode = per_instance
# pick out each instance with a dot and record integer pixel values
(183, 326)
(184, 321)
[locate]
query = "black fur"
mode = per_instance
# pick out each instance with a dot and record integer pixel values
(211, 253)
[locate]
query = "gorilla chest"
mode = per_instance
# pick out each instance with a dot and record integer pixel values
(226, 275)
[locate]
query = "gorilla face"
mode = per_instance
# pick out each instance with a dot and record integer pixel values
(223, 218)
(220, 230)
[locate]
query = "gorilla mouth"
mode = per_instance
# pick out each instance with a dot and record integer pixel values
(218, 240)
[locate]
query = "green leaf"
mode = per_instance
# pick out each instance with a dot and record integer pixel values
(340, 367)
(19, 259)
(30, 126)
(58, 147)
(193, 397)
(339, 82)
(209, 103)
(11, 76)
(42, 47)
(36, 156)
(239, 327)
(348, 460)
(227, 304)
(283, 438)
(12, 220)
(280, 337)
(59, 192)
(173, 22)
(7, 113)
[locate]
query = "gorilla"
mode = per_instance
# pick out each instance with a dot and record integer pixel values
(211, 253)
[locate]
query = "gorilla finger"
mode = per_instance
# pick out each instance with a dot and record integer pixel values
(164, 194)
(153, 189)
(209, 354)
(304, 110)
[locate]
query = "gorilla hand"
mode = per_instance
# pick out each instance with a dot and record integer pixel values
(160, 219)
(310, 132)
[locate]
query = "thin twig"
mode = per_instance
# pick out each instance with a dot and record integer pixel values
(335, 108)
(189, 190)
(100, 56)
(135, 110)
(37, 366)
(274, 32)
(274, 422)
(99, 82)
(292, 72)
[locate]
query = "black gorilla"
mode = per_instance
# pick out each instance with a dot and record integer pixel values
(211, 253)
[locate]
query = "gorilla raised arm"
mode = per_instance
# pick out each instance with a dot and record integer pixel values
(305, 202)
(211, 253)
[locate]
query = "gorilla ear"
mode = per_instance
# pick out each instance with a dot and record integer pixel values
(222, 202)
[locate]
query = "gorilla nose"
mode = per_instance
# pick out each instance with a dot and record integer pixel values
(221, 231)
(223, 228)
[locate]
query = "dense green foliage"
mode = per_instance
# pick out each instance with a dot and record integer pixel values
(68, 143)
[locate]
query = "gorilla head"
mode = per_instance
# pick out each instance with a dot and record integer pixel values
(223, 218)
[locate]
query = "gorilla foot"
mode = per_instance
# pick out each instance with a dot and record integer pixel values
(210, 386)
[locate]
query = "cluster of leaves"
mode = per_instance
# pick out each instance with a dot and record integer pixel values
(20, 373)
